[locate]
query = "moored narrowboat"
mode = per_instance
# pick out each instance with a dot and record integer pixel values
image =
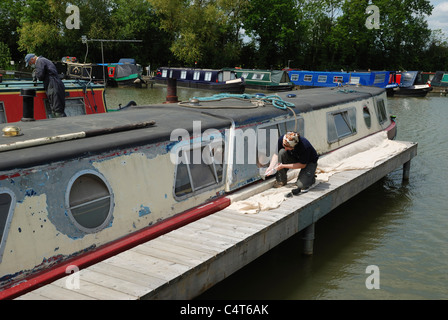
(313, 79)
(411, 84)
(77, 190)
(81, 98)
(439, 83)
(266, 80)
(304, 79)
(225, 81)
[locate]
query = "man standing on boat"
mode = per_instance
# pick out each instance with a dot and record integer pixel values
(294, 152)
(45, 71)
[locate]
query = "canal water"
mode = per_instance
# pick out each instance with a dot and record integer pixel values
(397, 228)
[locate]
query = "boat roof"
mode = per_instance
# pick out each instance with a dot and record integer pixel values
(440, 79)
(217, 114)
(17, 85)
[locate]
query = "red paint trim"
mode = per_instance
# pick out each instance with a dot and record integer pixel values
(115, 247)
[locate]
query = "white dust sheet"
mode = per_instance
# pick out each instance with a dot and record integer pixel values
(361, 155)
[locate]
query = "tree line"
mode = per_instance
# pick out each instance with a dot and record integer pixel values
(301, 34)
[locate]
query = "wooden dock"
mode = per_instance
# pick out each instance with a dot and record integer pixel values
(186, 262)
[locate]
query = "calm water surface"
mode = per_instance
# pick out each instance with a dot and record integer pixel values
(399, 227)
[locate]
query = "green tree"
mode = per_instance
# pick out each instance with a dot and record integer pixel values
(275, 28)
(10, 16)
(5, 56)
(403, 32)
(206, 32)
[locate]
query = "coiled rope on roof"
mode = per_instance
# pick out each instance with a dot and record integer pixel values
(257, 100)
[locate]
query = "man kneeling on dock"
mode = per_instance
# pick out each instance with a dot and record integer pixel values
(294, 152)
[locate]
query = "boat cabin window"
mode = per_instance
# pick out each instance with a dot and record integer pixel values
(322, 79)
(89, 201)
(73, 107)
(164, 73)
(379, 78)
(341, 124)
(381, 111)
(196, 75)
(2, 113)
(183, 74)
(245, 75)
(294, 77)
(257, 76)
(267, 138)
(337, 79)
(308, 78)
(198, 168)
(7, 201)
(208, 76)
(354, 80)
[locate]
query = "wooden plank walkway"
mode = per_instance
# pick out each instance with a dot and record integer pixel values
(186, 262)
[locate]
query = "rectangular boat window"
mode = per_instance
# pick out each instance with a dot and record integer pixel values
(322, 79)
(6, 201)
(355, 80)
(308, 78)
(244, 75)
(164, 73)
(294, 77)
(75, 107)
(381, 111)
(183, 74)
(341, 124)
(267, 138)
(194, 174)
(337, 79)
(208, 76)
(379, 78)
(196, 75)
(257, 76)
(2, 113)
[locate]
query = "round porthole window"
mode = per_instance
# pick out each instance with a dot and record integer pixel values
(89, 201)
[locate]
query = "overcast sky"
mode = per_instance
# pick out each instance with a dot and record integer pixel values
(439, 17)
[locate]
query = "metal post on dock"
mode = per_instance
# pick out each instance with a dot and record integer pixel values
(309, 239)
(406, 170)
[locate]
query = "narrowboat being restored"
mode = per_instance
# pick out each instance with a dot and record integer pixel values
(74, 191)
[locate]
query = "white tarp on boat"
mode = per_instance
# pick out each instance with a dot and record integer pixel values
(361, 155)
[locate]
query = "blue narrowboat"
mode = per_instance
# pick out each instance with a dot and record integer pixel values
(311, 79)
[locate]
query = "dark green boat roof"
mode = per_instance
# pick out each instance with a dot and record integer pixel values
(167, 117)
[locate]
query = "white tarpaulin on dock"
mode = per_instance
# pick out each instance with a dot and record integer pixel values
(362, 155)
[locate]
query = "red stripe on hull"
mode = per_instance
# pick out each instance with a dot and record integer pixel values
(116, 247)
